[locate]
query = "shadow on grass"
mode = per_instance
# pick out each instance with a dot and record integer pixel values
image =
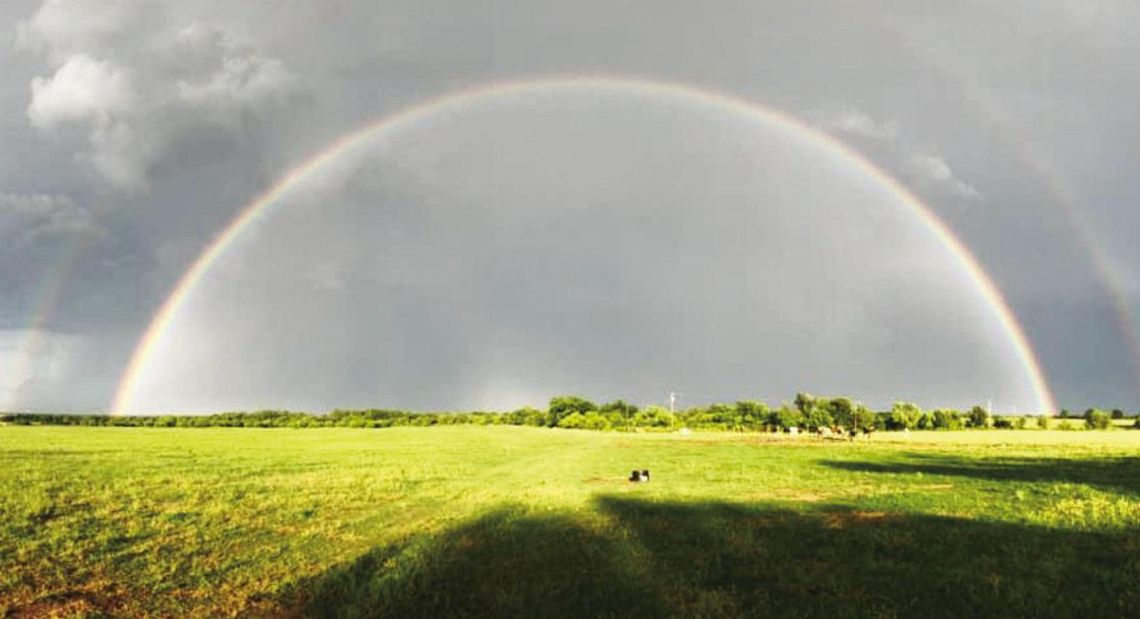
(652, 559)
(1109, 473)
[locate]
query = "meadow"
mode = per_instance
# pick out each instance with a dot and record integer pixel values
(521, 521)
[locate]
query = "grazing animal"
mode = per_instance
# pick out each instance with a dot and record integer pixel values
(639, 476)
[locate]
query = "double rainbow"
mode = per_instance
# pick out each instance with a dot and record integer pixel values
(454, 101)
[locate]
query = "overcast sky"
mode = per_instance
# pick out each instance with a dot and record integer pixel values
(608, 242)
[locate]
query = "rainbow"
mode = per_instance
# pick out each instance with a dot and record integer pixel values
(1062, 198)
(50, 289)
(453, 101)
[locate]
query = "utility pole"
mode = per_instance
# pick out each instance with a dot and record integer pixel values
(672, 401)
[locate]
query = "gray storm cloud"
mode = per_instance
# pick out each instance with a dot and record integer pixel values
(137, 85)
(133, 130)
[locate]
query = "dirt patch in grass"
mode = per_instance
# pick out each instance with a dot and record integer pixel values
(68, 604)
(839, 520)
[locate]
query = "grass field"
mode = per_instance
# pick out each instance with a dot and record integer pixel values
(513, 521)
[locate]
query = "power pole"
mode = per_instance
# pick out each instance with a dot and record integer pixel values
(672, 401)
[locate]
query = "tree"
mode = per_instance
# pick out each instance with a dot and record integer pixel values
(751, 415)
(977, 417)
(947, 419)
(1117, 413)
(804, 402)
(818, 417)
(903, 416)
(525, 416)
(722, 415)
(862, 419)
(816, 411)
(623, 408)
(842, 412)
(786, 417)
(565, 405)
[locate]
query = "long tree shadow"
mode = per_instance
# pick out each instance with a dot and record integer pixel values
(715, 559)
(509, 563)
(1108, 473)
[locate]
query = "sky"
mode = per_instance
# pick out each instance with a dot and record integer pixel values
(612, 241)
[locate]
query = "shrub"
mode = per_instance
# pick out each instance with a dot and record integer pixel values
(594, 421)
(573, 421)
(1043, 422)
(1003, 423)
(1097, 420)
(590, 421)
(654, 417)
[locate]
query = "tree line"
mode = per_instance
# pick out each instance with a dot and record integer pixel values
(805, 413)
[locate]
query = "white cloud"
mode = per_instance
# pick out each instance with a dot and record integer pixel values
(63, 28)
(927, 172)
(856, 122)
(935, 170)
(83, 89)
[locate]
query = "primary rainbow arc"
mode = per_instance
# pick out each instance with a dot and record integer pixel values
(261, 204)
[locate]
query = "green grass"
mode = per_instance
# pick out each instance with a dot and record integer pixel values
(515, 521)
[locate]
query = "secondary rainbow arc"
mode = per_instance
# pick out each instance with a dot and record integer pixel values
(260, 205)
